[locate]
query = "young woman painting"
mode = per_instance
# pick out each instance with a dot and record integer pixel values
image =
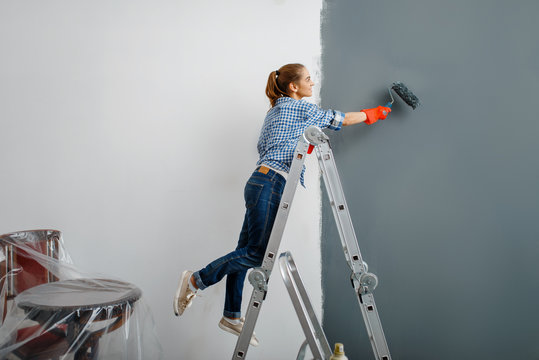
(285, 122)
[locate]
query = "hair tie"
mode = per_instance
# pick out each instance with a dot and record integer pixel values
(277, 73)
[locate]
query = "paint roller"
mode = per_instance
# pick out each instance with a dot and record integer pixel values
(405, 94)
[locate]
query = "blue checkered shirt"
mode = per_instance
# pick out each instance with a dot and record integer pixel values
(284, 124)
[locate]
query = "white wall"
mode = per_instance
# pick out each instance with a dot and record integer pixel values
(131, 126)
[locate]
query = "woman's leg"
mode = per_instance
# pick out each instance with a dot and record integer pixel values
(262, 197)
(235, 281)
(258, 223)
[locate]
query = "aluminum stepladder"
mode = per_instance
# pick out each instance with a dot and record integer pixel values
(363, 282)
(315, 337)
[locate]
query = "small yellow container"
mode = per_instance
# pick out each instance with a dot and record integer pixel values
(338, 354)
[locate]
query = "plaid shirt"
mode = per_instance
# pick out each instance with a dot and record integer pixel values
(284, 124)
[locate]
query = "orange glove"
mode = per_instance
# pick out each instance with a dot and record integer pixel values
(375, 114)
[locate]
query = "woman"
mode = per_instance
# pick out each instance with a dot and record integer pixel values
(285, 122)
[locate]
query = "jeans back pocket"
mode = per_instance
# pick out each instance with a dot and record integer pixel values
(252, 194)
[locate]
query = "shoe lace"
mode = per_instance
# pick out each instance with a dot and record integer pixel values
(184, 303)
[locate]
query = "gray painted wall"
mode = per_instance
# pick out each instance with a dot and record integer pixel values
(444, 199)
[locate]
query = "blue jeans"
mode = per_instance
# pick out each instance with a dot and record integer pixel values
(262, 197)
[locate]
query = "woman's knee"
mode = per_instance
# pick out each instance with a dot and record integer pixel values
(254, 259)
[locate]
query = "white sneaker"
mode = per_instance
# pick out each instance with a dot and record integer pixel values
(184, 296)
(236, 329)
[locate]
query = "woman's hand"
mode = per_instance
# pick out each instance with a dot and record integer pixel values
(375, 114)
(369, 116)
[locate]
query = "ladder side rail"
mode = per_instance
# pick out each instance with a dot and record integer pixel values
(339, 207)
(302, 350)
(320, 335)
(259, 277)
(374, 326)
(284, 207)
(351, 250)
(312, 329)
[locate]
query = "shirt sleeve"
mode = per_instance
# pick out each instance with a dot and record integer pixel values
(331, 119)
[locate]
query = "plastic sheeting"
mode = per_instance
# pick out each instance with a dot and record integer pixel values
(50, 310)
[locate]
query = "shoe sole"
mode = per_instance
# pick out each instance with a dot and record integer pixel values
(234, 332)
(182, 287)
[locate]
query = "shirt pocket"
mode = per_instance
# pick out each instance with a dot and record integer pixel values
(252, 194)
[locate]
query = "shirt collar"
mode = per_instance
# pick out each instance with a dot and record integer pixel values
(284, 99)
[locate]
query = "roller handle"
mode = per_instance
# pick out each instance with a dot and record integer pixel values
(389, 106)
